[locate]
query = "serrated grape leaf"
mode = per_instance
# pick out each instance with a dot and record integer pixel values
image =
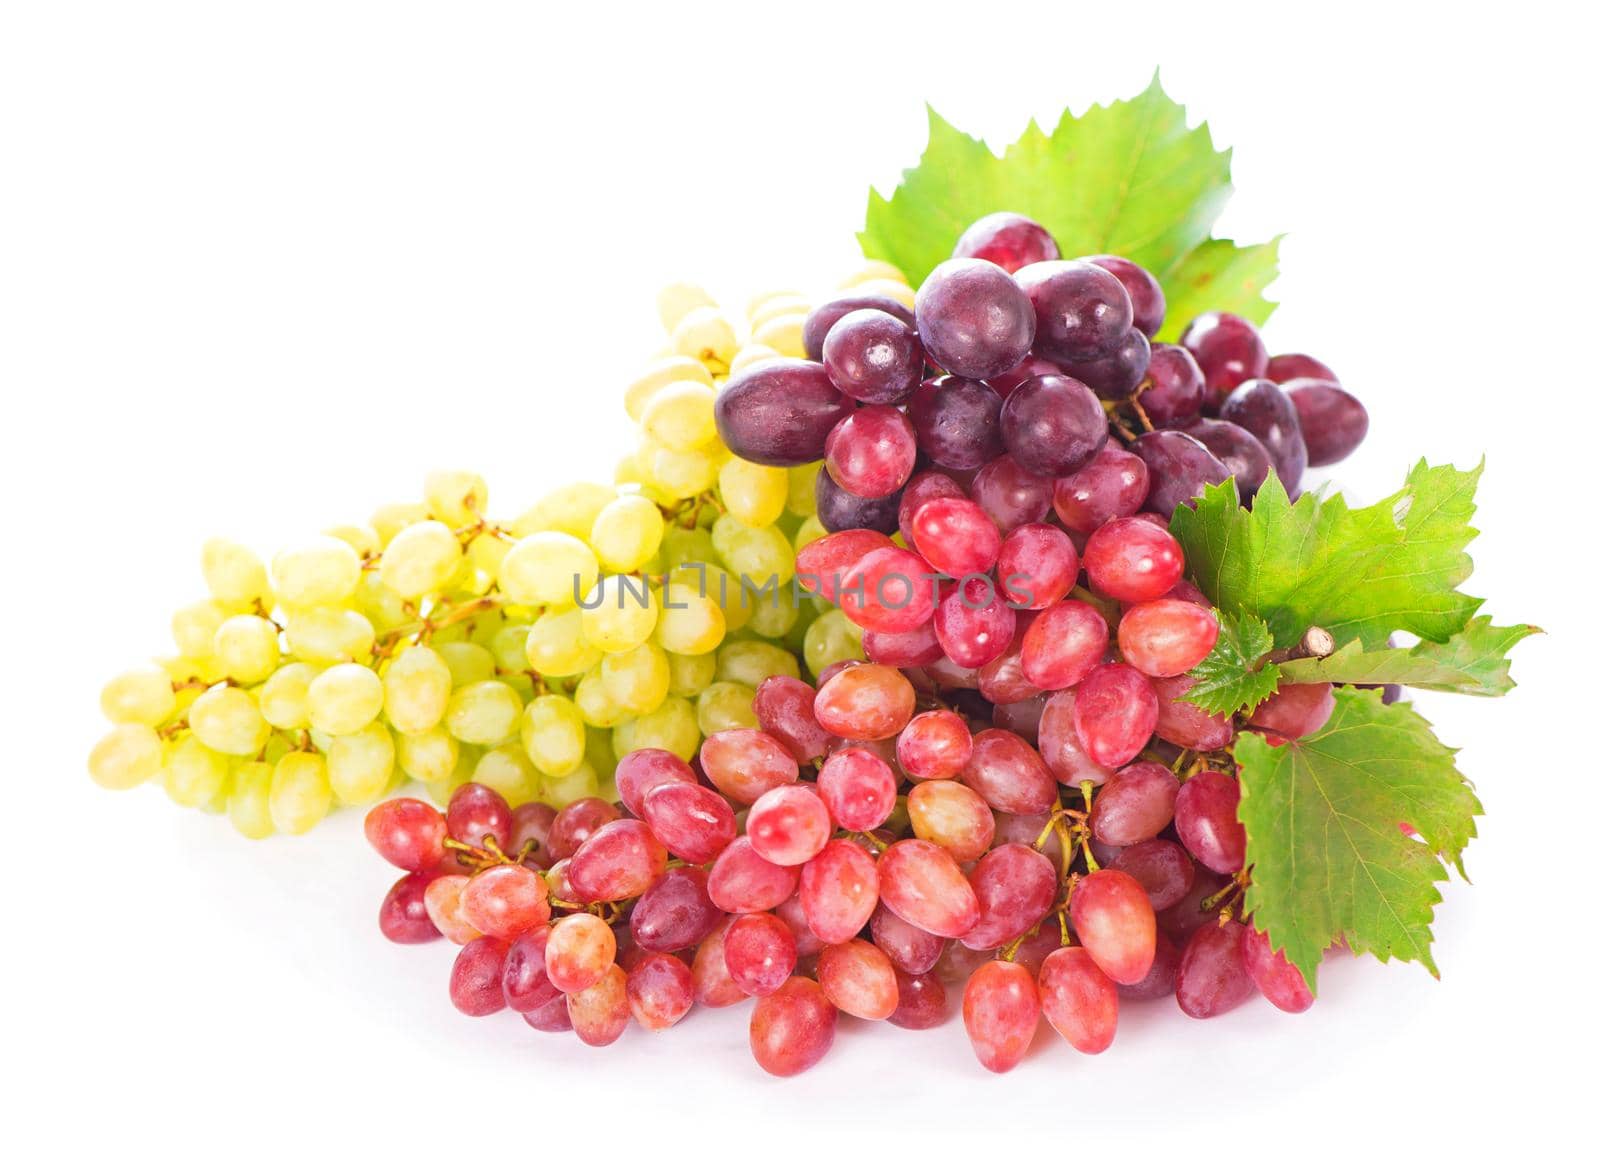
(1329, 861)
(1361, 573)
(1130, 178)
(1233, 676)
(1473, 661)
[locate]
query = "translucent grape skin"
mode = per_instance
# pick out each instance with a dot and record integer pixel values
(1036, 566)
(859, 788)
(872, 451)
(578, 951)
(1132, 560)
(922, 885)
(821, 321)
(713, 986)
(1135, 805)
(1162, 978)
(408, 833)
(1245, 457)
(1173, 389)
(936, 744)
(873, 356)
(1078, 1000)
(1115, 923)
(1052, 425)
(1009, 774)
(403, 916)
(1166, 637)
(1279, 981)
(1262, 408)
(957, 421)
(1118, 374)
(839, 891)
(523, 980)
(1186, 725)
(955, 536)
(1008, 240)
(1206, 815)
(857, 978)
(1063, 644)
(1000, 1009)
(505, 901)
(1228, 349)
(1116, 714)
(1144, 291)
(973, 318)
(675, 913)
(1163, 869)
(792, 1028)
(779, 412)
(1332, 421)
(785, 707)
(1179, 466)
(922, 1002)
(1012, 495)
(1113, 484)
(1082, 310)
(760, 953)
(839, 509)
(618, 862)
(1015, 886)
(475, 978)
(1212, 978)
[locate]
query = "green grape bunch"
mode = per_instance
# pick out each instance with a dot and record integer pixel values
(438, 645)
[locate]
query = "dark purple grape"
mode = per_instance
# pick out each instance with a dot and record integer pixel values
(1179, 466)
(1245, 457)
(1008, 240)
(1261, 408)
(838, 509)
(1011, 495)
(1033, 365)
(823, 318)
(973, 319)
(957, 421)
(1149, 303)
(1083, 312)
(873, 357)
(1173, 387)
(1052, 425)
(779, 412)
(1283, 367)
(1229, 351)
(1332, 420)
(1119, 373)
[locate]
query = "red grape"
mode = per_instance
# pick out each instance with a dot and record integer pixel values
(889, 590)
(973, 624)
(523, 980)
(505, 901)
(913, 950)
(475, 814)
(1115, 713)
(1078, 999)
(1036, 566)
(1166, 637)
(408, 833)
(921, 884)
(779, 412)
(1009, 774)
(857, 978)
(838, 891)
(1228, 350)
(475, 978)
(1163, 869)
(865, 701)
(935, 744)
(1135, 805)
(1206, 815)
(871, 451)
(1277, 979)
(973, 318)
(403, 915)
(1185, 724)
(578, 952)
(872, 356)
(1065, 641)
(788, 825)
(713, 986)
(746, 763)
(955, 536)
(600, 1011)
(693, 822)
(741, 881)
(859, 788)
(786, 708)
(1115, 923)
(1008, 240)
(760, 953)
(1001, 1011)
(660, 990)
(1113, 484)
(1132, 560)
(641, 771)
(792, 1029)
(1293, 712)
(821, 566)
(675, 913)
(1015, 886)
(921, 1001)
(1212, 978)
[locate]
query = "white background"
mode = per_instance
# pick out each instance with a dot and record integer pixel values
(262, 266)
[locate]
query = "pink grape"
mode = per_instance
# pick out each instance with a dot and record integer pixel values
(973, 624)
(955, 536)
(921, 1001)
(1163, 869)
(742, 881)
(476, 813)
(871, 451)
(408, 833)
(675, 913)
(792, 1028)
(552, 1017)
(760, 952)
(1036, 566)
(1115, 714)
(641, 771)
(922, 884)
(1132, 560)
(921, 489)
(523, 979)
(403, 915)
(913, 950)
(1293, 712)
(1009, 774)
(1115, 923)
(858, 979)
(1060, 747)
(858, 787)
(475, 978)
(572, 828)
(505, 901)
(786, 709)
(1078, 999)
(889, 590)
(746, 763)
(531, 826)
(1228, 349)
(1212, 978)
(1011, 495)
(790, 912)
(579, 950)
(660, 991)
(713, 985)
(1001, 1011)
(1065, 641)
(916, 648)
(1113, 484)
(618, 862)
(866, 701)
(442, 899)
(1277, 979)
(1135, 805)
(838, 891)
(1184, 724)
(1015, 886)
(936, 744)
(1206, 815)
(1162, 978)
(953, 816)
(1166, 637)
(1002, 681)
(822, 566)
(599, 1012)
(788, 825)
(693, 823)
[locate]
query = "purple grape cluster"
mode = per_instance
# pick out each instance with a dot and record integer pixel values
(1016, 371)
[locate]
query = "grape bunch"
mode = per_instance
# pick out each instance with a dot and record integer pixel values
(1014, 371)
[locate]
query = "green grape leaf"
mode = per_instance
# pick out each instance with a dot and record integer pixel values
(1473, 661)
(1329, 860)
(1233, 675)
(1361, 573)
(1131, 178)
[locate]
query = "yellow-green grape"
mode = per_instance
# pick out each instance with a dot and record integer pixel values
(416, 689)
(556, 646)
(195, 627)
(725, 705)
(550, 569)
(759, 554)
(691, 674)
(673, 369)
(421, 560)
(706, 333)
(671, 727)
(455, 497)
(363, 539)
(795, 638)
(125, 757)
(570, 509)
(319, 572)
(810, 530)
(248, 807)
(234, 575)
(637, 679)
(621, 614)
(483, 713)
(361, 764)
(380, 606)
(468, 662)
(509, 646)
(831, 638)
(298, 797)
(784, 333)
(596, 704)
(691, 623)
(628, 470)
(388, 520)
(228, 720)
(751, 354)
(679, 299)
(583, 782)
(752, 307)
(778, 305)
(195, 775)
(344, 698)
(753, 493)
(803, 489)
(873, 271)
(885, 287)
(430, 756)
(508, 771)
(329, 635)
(485, 553)
(678, 475)
(141, 696)
(553, 734)
(750, 661)
(627, 533)
(775, 613)
(679, 415)
(682, 546)
(246, 648)
(282, 699)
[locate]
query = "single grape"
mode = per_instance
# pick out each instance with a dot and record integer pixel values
(408, 833)
(1116, 714)
(1144, 291)
(640, 772)
(873, 357)
(1283, 367)
(838, 891)
(600, 1012)
(1179, 466)
(1163, 869)
(1206, 815)
(1228, 350)
(1134, 806)
(475, 978)
(785, 707)
(922, 884)
(1173, 389)
(1115, 923)
(973, 623)
(1008, 240)
(1078, 999)
(1212, 977)
(839, 509)
(552, 1018)
(741, 881)
(973, 319)
(746, 763)
(618, 862)
(442, 899)
(576, 824)
(857, 978)
(1118, 374)
(760, 953)
(921, 1001)
(403, 915)
(477, 814)
(505, 901)
(859, 787)
(821, 321)
(1132, 560)
(1036, 566)
(1332, 421)
(1261, 408)
(1184, 724)
(1245, 457)
(579, 950)
(1166, 637)
(1277, 979)
(779, 412)
(916, 648)
(871, 451)
(1162, 978)
(675, 913)
(866, 701)
(1113, 484)
(524, 982)
(807, 944)
(1295, 711)
(955, 536)
(1011, 495)
(1009, 773)
(920, 490)
(935, 744)
(957, 421)
(952, 816)
(1015, 886)
(1063, 644)
(1083, 312)
(660, 990)
(1001, 1011)
(913, 950)
(1052, 425)
(788, 825)
(792, 1028)
(692, 821)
